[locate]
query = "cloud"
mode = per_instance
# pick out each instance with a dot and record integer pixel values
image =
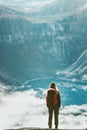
(84, 88)
(18, 108)
(27, 109)
(83, 7)
(26, 3)
(74, 117)
(84, 77)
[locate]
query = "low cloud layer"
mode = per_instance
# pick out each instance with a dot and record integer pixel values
(27, 109)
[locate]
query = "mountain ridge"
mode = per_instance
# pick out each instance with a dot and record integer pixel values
(79, 66)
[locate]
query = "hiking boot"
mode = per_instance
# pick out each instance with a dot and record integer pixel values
(50, 126)
(56, 127)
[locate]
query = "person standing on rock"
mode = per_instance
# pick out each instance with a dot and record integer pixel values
(53, 102)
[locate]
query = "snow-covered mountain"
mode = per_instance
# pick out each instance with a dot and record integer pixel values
(31, 42)
(35, 36)
(79, 68)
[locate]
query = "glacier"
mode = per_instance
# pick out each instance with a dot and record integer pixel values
(43, 42)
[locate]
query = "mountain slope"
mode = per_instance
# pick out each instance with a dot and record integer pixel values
(79, 67)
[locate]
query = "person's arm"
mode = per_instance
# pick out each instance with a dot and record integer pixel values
(59, 100)
(47, 99)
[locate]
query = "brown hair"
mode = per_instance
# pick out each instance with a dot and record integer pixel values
(53, 85)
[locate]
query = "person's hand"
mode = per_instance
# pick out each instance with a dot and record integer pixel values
(59, 107)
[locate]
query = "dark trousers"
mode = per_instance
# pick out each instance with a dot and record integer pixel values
(54, 109)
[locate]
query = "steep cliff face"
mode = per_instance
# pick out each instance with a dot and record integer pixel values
(38, 44)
